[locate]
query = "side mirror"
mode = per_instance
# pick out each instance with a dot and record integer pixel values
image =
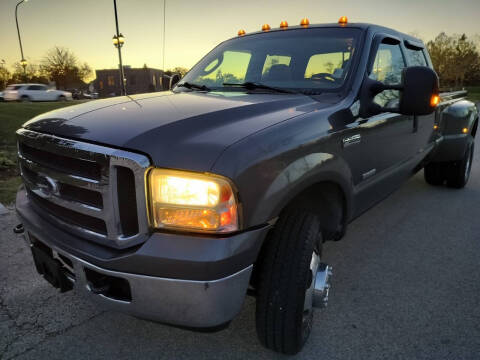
(174, 79)
(418, 93)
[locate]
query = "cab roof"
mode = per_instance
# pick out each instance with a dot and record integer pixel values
(363, 26)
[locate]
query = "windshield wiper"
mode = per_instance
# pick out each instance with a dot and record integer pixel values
(249, 85)
(194, 86)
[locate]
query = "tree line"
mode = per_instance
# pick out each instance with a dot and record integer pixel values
(456, 59)
(59, 65)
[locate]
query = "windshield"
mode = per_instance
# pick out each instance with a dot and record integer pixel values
(315, 59)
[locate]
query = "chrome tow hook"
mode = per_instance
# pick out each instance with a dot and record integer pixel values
(322, 285)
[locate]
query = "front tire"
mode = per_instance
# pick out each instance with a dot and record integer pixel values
(62, 98)
(284, 313)
(25, 98)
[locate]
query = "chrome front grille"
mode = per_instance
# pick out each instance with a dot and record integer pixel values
(93, 191)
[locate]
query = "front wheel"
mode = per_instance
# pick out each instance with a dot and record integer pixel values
(62, 98)
(288, 287)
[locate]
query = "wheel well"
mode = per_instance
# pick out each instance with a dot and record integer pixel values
(327, 200)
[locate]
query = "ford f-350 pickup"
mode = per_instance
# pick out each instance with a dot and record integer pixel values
(172, 206)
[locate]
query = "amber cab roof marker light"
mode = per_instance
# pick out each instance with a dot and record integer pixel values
(265, 27)
(241, 32)
(283, 25)
(343, 20)
(304, 22)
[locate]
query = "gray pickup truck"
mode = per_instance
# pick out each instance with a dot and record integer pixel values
(173, 206)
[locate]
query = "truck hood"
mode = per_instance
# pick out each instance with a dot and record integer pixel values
(186, 130)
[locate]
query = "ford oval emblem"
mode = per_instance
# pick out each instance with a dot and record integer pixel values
(49, 186)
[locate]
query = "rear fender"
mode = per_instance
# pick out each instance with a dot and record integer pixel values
(458, 123)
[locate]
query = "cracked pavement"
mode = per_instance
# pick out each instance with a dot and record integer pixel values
(406, 285)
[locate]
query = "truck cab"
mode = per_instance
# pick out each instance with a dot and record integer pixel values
(172, 206)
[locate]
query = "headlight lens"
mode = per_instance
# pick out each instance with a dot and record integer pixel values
(191, 201)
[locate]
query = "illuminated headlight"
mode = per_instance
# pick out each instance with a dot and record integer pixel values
(192, 202)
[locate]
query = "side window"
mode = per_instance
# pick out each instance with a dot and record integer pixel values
(387, 68)
(34, 87)
(416, 57)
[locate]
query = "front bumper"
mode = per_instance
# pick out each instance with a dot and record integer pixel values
(191, 281)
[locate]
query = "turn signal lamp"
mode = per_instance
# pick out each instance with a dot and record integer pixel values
(283, 24)
(265, 27)
(191, 202)
(465, 130)
(434, 100)
(343, 20)
(241, 32)
(304, 22)
(435, 127)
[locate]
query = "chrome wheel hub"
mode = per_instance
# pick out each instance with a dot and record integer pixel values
(316, 295)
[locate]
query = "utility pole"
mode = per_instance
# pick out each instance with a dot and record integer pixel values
(118, 41)
(23, 62)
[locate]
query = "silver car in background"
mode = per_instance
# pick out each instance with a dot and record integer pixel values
(34, 92)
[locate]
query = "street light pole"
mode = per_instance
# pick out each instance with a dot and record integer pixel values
(23, 62)
(118, 41)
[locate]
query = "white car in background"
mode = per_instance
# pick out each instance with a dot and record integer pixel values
(34, 92)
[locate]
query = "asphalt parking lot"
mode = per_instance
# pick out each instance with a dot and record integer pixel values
(406, 286)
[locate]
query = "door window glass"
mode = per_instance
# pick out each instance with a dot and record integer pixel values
(36, 87)
(387, 68)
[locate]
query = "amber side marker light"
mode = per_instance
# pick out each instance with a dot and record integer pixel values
(283, 24)
(465, 130)
(265, 27)
(304, 22)
(435, 127)
(434, 100)
(343, 20)
(241, 32)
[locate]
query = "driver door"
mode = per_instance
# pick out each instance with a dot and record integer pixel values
(378, 147)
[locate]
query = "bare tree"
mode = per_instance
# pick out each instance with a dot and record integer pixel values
(62, 66)
(33, 74)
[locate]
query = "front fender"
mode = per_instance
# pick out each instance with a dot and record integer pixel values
(300, 175)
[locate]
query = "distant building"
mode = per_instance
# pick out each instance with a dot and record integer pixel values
(139, 80)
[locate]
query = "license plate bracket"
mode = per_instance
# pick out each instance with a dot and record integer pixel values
(52, 270)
